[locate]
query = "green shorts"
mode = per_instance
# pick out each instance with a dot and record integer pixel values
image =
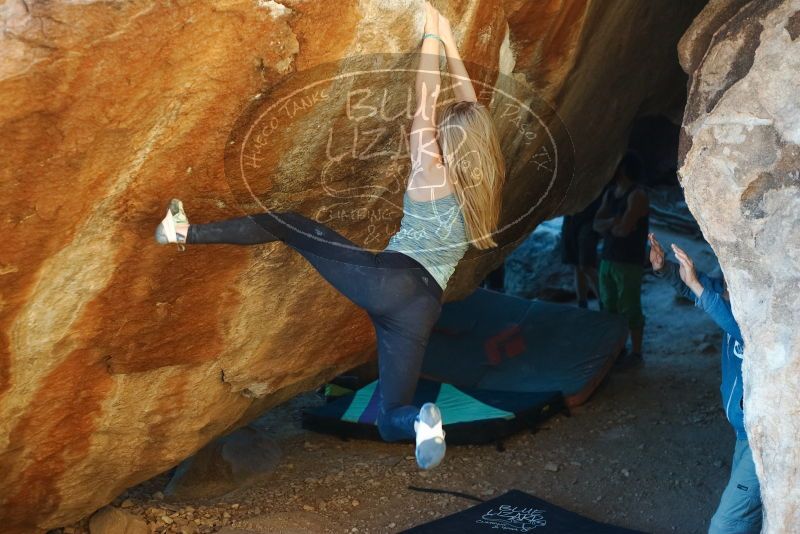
(621, 290)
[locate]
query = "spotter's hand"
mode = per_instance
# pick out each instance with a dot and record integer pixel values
(687, 271)
(656, 253)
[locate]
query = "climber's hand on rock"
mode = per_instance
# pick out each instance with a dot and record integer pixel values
(431, 18)
(656, 253)
(687, 271)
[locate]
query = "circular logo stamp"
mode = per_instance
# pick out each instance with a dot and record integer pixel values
(324, 159)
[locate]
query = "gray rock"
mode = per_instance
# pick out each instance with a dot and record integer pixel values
(110, 520)
(535, 270)
(741, 174)
(551, 466)
(237, 460)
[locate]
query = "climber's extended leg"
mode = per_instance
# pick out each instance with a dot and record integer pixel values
(370, 280)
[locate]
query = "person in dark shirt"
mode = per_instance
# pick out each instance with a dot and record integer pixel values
(579, 249)
(623, 221)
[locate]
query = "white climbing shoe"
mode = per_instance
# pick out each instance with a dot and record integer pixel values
(165, 232)
(430, 436)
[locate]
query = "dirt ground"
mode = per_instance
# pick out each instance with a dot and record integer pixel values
(651, 451)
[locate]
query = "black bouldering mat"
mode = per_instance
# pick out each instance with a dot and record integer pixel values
(517, 511)
(470, 416)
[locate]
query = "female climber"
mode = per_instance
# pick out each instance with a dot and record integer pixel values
(452, 199)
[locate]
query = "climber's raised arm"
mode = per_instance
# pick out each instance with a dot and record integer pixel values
(426, 156)
(462, 84)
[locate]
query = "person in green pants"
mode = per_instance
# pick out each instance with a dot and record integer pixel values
(623, 221)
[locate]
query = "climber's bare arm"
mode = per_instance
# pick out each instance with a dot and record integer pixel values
(462, 84)
(426, 156)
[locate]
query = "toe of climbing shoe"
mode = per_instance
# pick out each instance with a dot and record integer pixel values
(166, 231)
(431, 446)
(176, 209)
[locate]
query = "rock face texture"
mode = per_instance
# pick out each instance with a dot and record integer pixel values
(110, 520)
(119, 358)
(242, 458)
(741, 174)
(535, 268)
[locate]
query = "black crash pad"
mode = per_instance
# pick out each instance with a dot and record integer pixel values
(517, 511)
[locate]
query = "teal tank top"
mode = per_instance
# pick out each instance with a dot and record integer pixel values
(433, 233)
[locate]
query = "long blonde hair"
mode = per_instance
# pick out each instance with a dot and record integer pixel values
(474, 162)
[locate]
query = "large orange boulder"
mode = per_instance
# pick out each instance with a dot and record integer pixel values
(120, 358)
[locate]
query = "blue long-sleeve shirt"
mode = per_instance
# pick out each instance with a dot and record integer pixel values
(719, 309)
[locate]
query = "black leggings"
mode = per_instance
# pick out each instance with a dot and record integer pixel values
(399, 295)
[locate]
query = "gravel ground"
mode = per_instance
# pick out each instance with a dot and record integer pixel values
(651, 450)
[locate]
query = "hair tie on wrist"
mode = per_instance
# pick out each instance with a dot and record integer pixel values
(425, 36)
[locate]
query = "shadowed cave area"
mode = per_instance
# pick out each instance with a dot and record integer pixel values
(586, 382)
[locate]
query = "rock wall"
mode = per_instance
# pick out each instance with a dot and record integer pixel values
(741, 174)
(535, 269)
(119, 358)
